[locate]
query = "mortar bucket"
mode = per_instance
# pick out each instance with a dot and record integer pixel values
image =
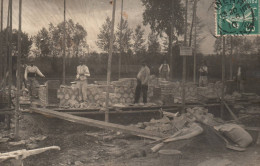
(170, 157)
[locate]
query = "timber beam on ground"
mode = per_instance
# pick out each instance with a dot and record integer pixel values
(99, 124)
(134, 108)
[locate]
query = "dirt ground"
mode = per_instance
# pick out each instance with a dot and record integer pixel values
(84, 145)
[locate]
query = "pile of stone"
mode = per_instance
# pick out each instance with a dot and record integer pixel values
(167, 126)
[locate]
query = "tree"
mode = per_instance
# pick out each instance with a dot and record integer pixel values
(26, 43)
(159, 15)
(126, 36)
(42, 42)
(139, 40)
(51, 41)
(153, 44)
(104, 36)
(75, 36)
(237, 45)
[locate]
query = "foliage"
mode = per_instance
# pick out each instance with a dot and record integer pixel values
(139, 41)
(50, 42)
(158, 15)
(104, 36)
(153, 44)
(26, 43)
(125, 38)
(42, 42)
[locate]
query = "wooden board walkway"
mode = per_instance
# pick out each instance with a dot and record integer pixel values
(99, 124)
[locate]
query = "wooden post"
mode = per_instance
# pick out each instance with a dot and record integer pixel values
(64, 46)
(110, 60)
(195, 44)
(170, 42)
(223, 78)
(231, 58)
(7, 47)
(10, 54)
(120, 54)
(2, 74)
(184, 60)
(18, 81)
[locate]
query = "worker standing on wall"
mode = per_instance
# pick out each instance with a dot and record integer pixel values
(142, 83)
(30, 73)
(203, 70)
(164, 70)
(82, 74)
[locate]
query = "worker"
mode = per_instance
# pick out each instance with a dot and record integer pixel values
(241, 77)
(81, 77)
(22, 70)
(164, 70)
(30, 73)
(203, 79)
(142, 83)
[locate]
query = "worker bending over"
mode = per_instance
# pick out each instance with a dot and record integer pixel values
(30, 73)
(82, 74)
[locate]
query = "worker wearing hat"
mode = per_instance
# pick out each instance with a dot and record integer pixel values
(81, 77)
(30, 73)
(142, 83)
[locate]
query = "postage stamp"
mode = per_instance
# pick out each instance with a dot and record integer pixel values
(237, 17)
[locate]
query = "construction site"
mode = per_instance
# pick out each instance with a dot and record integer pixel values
(129, 83)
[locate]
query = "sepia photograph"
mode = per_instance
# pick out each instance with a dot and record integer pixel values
(129, 83)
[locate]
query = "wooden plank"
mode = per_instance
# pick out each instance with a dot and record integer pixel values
(230, 111)
(112, 112)
(99, 124)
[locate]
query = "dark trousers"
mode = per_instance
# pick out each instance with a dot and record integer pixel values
(140, 88)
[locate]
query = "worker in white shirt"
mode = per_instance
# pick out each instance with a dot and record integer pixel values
(82, 74)
(203, 70)
(30, 73)
(164, 70)
(142, 83)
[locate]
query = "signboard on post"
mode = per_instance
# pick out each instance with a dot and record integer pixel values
(185, 51)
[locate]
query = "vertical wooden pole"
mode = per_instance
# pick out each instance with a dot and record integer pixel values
(18, 80)
(2, 74)
(10, 69)
(184, 60)
(120, 54)
(110, 61)
(64, 46)
(223, 77)
(231, 58)
(195, 44)
(170, 42)
(10, 65)
(7, 46)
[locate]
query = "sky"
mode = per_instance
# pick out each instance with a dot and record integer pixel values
(37, 14)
